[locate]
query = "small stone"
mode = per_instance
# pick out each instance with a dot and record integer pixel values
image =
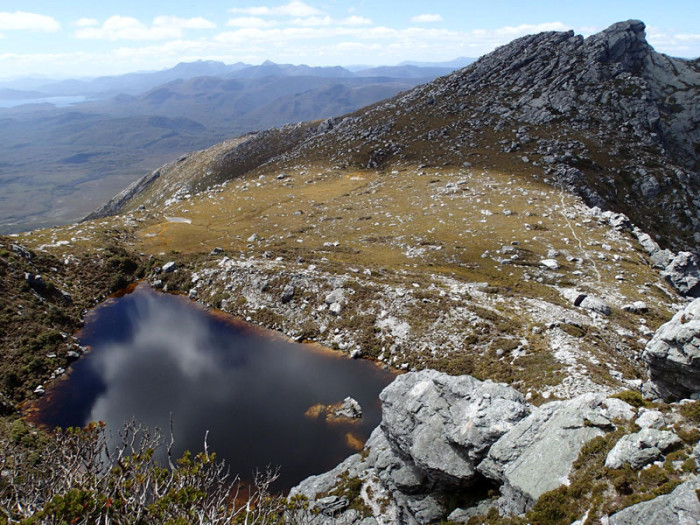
(552, 264)
(335, 308)
(254, 237)
(636, 307)
(350, 409)
(169, 267)
(336, 296)
(287, 294)
(217, 251)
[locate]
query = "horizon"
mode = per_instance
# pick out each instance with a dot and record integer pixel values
(82, 39)
(349, 67)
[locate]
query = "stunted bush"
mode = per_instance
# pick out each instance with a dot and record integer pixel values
(76, 476)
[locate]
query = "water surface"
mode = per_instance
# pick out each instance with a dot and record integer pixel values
(154, 354)
(59, 102)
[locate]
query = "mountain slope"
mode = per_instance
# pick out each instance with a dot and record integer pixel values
(607, 118)
(452, 228)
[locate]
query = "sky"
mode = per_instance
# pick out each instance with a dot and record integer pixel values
(81, 38)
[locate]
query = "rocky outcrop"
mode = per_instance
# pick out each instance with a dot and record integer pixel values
(118, 201)
(680, 507)
(445, 425)
(641, 448)
(673, 355)
(537, 454)
(681, 270)
(447, 435)
(435, 430)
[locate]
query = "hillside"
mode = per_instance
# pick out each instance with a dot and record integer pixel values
(532, 219)
(58, 164)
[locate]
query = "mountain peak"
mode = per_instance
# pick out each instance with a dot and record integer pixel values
(623, 42)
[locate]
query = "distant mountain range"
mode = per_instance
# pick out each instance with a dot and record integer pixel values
(57, 164)
(135, 83)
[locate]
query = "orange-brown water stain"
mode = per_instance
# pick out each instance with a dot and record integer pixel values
(354, 442)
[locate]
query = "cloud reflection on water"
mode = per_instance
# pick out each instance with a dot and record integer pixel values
(157, 354)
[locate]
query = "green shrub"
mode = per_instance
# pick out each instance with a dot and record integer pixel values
(632, 397)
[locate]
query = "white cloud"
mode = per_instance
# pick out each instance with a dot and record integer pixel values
(183, 23)
(328, 21)
(19, 20)
(426, 18)
(128, 28)
(250, 21)
(87, 22)
(527, 29)
(675, 44)
(295, 8)
(315, 40)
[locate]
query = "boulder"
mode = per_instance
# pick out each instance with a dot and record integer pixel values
(536, 455)
(169, 266)
(350, 409)
(336, 296)
(683, 273)
(651, 419)
(637, 307)
(595, 305)
(573, 295)
(673, 355)
(335, 308)
(552, 264)
(445, 424)
(641, 448)
(680, 507)
(287, 294)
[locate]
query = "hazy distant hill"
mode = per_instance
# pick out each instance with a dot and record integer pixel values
(58, 164)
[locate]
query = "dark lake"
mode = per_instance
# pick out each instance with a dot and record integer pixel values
(153, 354)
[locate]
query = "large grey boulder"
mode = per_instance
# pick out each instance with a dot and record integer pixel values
(398, 483)
(673, 354)
(445, 424)
(641, 448)
(536, 455)
(680, 507)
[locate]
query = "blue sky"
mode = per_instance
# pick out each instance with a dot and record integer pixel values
(89, 38)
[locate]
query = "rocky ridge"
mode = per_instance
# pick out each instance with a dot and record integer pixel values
(606, 117)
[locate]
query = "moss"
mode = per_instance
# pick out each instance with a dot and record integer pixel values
(573, 330)
(632, 397)
(689, 434)
(691, 411)
(553, 508)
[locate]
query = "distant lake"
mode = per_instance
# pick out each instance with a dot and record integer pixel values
(59, 102)
(153, 354)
